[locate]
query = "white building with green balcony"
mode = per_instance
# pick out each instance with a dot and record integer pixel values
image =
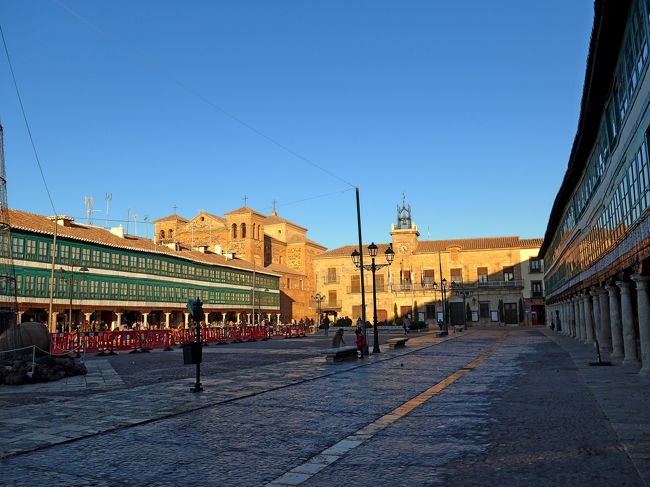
(113, 277)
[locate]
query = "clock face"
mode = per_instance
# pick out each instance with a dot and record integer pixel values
(403, 248)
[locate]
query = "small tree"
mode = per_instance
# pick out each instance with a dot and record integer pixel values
(468, 313)
(395, 312)
(521, 310)
(501, 310)
(415, 310)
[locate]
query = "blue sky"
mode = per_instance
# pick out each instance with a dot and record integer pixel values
(468, 107)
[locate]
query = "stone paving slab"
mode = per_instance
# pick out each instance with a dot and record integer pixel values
(118, 408)
(622, 393)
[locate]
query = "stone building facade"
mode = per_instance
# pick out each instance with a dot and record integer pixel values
(269, 242)
(597, 243)
(488, 280)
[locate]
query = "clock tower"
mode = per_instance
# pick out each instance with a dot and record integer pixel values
(404, 233)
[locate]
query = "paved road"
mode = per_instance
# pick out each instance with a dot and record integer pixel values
(482, 408)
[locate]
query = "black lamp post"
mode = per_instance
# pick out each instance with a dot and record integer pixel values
(443, 293)
(319, 299)
(373, 267)
(71, 283)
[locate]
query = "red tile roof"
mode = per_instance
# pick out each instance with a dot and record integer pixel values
(173, 217)
(22, 220)
(430, 246)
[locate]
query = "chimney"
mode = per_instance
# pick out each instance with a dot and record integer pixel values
(63, 220)
(118, 231)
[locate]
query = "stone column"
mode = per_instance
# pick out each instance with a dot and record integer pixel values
(248, 318)
(145, 317)
(19, 318)
(567, 319)
(589, 322)
(615, 321)
(595, 304)
(238, 317)
(580, 316)
(119, 319)
(627, 319)
(187, 319)
(643, 305)
(605, 323)
(574, 317)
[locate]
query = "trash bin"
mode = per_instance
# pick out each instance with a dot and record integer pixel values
(192, 353)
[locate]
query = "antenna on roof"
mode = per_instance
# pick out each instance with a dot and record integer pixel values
(128, 219)
(88, 201)
(146, 226)
(428, 234)
(135, 220)
(274, 212)
(108, 197)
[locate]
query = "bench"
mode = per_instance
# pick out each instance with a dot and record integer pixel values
(394, 343)
(339, 354)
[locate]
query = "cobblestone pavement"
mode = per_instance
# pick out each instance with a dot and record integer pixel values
(487, 407)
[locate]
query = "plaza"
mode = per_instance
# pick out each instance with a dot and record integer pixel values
(476, 408)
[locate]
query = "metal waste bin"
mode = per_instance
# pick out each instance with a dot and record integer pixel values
(192, 353)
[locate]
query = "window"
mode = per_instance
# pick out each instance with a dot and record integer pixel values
(355, 283)
(508, 273)
(457, 275)
(535, 265)
(75, 253)
(431, 312)
(104, 291)
(18, 247)
(85, 256)
(170, 232)
(31, 249)
(115, 261)
(484, 310)
(64, 253)
(125, 262)
(482, 273)
(428, 276)
(243, 230)
(331, 275)
(234, 231)
(43, 250)
(405, 277)
(95, 256)
(331, 299)
(288, 283)
(536, 289)
(161, 235)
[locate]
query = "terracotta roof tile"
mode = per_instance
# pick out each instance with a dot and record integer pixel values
(429, 246)
(274, 219)
(31, 222)
(173, 216)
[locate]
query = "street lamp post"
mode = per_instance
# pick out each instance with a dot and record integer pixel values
(443, 293)
(71, 284)
(373, 267)
(319, 300)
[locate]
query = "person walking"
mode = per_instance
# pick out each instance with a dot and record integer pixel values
(360, 341)
(406, 323)
(326, 325)
(337, 341)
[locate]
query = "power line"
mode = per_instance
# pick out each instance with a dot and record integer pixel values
(141, 58)
(29, 131)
